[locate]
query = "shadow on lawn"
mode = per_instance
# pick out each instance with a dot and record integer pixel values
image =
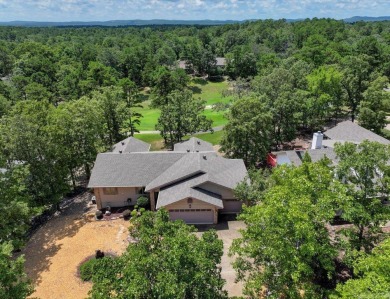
(44, 244)
(195, 89)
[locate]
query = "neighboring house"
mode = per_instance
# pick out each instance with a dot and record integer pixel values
(323, 144)
(220, 63)
(130, 145)
(192, 182)
(348, 131)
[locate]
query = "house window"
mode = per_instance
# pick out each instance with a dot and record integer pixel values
(110, 191)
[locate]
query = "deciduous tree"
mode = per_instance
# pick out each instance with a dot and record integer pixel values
(285, 250)
(248, 134)
(365, 171)
(182, 115)
(167, 261)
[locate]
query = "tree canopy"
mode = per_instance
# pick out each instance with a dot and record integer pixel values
(167, 260)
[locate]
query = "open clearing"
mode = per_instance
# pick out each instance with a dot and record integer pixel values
(211, 92)
(56, 249)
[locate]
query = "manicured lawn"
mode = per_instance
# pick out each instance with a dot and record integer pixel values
(218, 117)
(157, 141)
(209, 91)
(149, 119)
(154, 139)
(213, 138)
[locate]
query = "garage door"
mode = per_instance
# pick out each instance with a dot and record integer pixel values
(231, 206)
(193, 216)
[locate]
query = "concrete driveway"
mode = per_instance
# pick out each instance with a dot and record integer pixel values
(227, 231)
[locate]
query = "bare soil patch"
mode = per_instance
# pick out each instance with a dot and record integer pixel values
(55, 251)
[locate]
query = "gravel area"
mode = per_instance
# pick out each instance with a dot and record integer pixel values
(54, 252)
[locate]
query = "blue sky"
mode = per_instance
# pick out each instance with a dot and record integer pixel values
(100, 10)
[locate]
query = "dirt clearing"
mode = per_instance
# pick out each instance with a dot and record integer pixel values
(56, 249)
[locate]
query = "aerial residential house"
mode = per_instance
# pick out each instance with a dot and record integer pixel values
(192, 182)
(323, 143)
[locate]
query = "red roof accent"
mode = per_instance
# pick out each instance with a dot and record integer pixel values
(271, 160)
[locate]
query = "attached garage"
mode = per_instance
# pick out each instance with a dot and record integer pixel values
(231, 206)
(193, 216)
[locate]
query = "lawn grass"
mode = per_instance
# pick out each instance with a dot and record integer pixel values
(218, 117)
(211, 92)
(214, 138)
(157, 141)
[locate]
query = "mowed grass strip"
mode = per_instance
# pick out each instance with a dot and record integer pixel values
(209, 91)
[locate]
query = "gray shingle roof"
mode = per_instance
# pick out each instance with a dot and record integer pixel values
(131, 145)
(217, 170)
(295, 157)
(194, 144)
(178, 175)
(188, 165)
(130, 170)
(352, 132)
(186, 189)
(221, 61)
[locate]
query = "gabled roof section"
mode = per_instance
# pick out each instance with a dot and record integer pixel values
(131, 145)
(185, 190)
(224, 172)
(131, 169)
(193, 145)
(352, 132)
(188, 166)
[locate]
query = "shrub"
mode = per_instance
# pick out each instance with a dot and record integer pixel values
(133, 213)
(99, 214)
(142, 201)
(87, 269)
(126, 214)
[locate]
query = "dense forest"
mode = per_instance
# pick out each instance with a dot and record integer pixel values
(67, 94)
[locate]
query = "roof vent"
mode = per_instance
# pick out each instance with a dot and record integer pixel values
(120, 152)
(188, 150)
(198, 141)
(205, 157)
(123, 143)
(197, 151)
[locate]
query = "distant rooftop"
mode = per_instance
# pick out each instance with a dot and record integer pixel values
(193, 145)
(131, 145)
(352, 132)
(295, 157)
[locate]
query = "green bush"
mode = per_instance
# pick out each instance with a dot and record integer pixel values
(87, 269)
(142, 201)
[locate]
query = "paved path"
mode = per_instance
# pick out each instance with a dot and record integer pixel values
(228, 231)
